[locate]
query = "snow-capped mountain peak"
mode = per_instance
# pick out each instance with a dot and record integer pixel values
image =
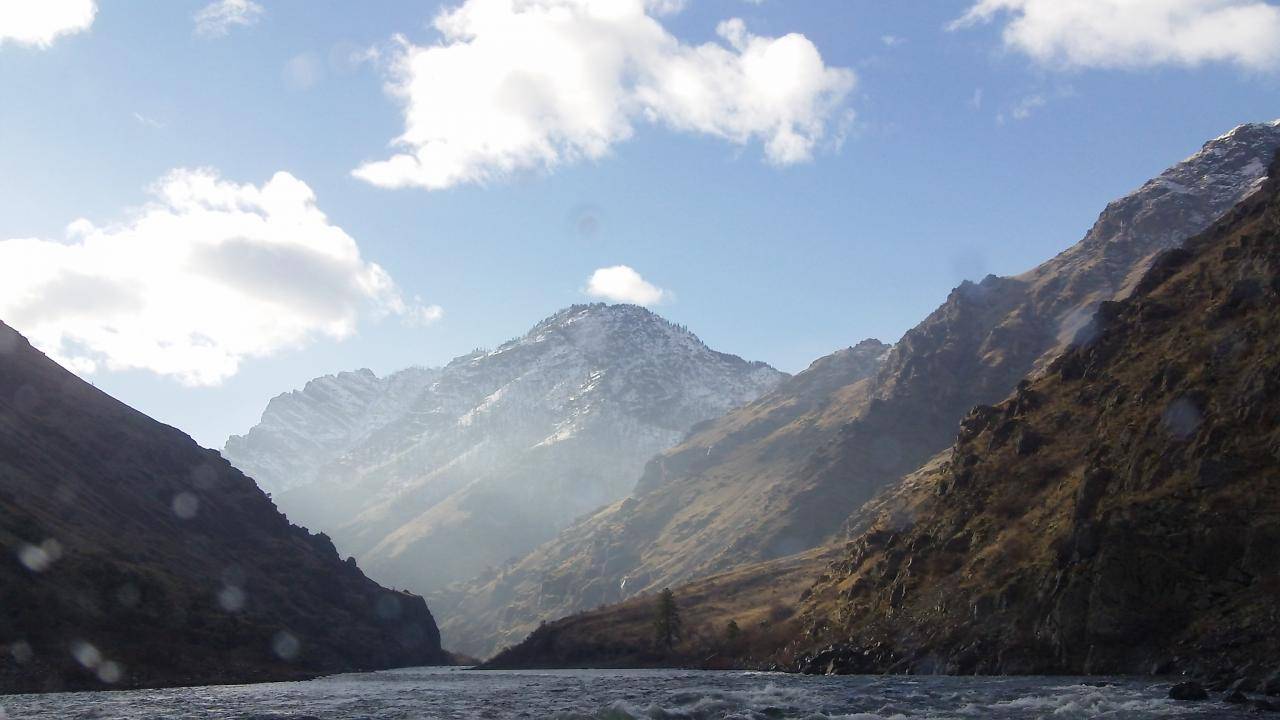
(508, 445)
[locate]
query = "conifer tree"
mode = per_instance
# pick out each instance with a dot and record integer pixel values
(666, 621)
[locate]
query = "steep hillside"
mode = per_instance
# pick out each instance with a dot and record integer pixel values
(759, 599)
(1118, 514)
(433, 476)
(133, 557)
(588, 563)
(765, 481)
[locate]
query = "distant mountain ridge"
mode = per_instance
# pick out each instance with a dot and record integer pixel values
(748, 488)
(431, 475)
(304, 430)
(130, 556)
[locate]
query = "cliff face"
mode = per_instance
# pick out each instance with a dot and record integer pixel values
(133, 557)
(431, 476)
(784, 474)
(1118, 514)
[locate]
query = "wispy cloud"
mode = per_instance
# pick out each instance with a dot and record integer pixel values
(218, 18)
(148, 121)
(515, 86)
(38, 23)
(1023, 108)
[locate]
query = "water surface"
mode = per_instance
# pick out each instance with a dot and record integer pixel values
(455, 694)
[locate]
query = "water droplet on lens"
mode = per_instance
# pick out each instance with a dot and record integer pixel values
(231, 598)
(286, 645)
(388, 607)
(86, 654)
(128, 595)
(21, 652)
(110, 672)
(204, 477)
(185, 505)
(38, 558)
(1182, 418)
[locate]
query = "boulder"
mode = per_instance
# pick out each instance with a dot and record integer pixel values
(1189, 690)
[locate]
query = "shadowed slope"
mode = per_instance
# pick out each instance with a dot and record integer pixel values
(133, 557)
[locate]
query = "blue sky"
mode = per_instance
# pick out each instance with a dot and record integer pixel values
(979, 149)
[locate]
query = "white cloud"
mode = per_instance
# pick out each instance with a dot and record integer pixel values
(622, 284)
(1137, 33)
(892, 40)
(208, 274)
(39, 22)
(218, 18)
(517, 85)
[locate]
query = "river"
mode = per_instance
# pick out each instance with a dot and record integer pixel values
(457, 694)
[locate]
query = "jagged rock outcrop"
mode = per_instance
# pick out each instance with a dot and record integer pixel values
(130, 556)
(1117, 514)
(746, 488)
(432, 476)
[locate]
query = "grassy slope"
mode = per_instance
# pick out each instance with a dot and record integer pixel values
(761, 599)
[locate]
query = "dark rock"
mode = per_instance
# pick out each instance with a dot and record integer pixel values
(1244, 684)
(1027, 442)
(1189, 690)
(1235, 697)
(1263, 706)
(1271, 684)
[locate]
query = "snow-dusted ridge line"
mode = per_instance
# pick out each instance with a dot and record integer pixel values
(567, 416)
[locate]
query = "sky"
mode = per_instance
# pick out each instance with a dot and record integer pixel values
(205, 204)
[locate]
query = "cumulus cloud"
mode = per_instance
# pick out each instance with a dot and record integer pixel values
(218, 18)
(622, 284)
(517, 85)
(209, 273)
(1137, 33)
(38, 23)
